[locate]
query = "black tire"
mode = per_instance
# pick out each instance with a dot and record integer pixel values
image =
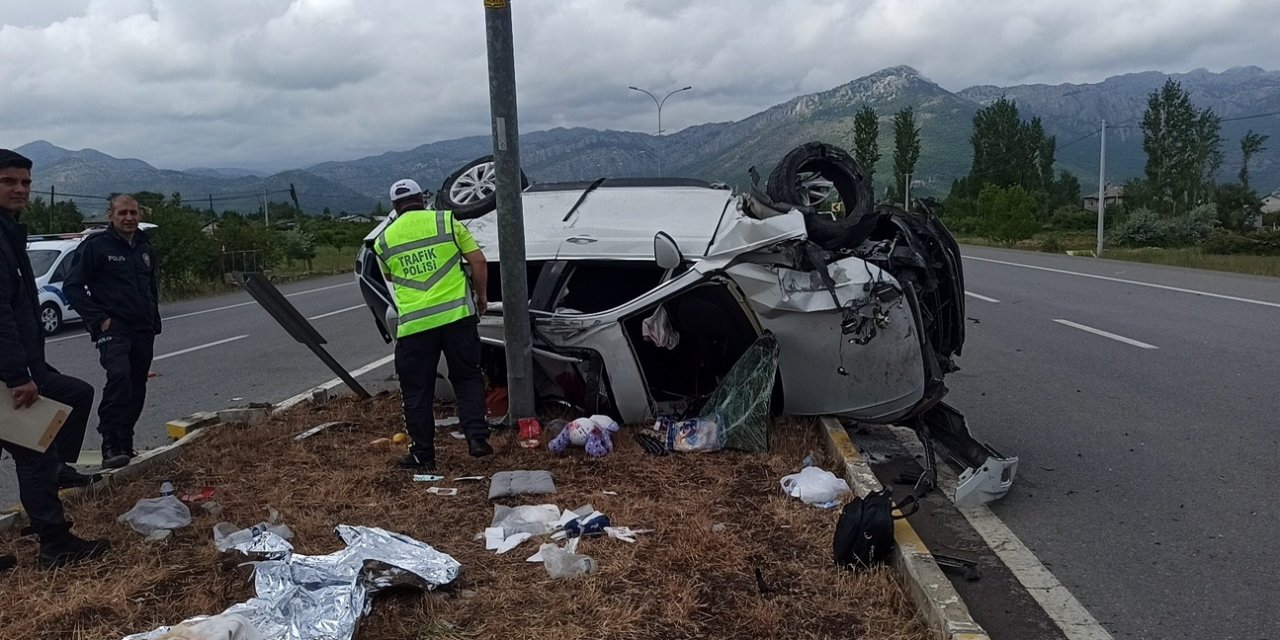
(474, 196)
(50, 318)
(848, 180)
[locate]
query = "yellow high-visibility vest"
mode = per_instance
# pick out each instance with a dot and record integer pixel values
(425, 263)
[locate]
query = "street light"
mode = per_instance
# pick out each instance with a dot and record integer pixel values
(659, 103)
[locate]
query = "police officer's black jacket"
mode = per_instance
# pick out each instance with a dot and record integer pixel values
(21, 336)
(112, 279)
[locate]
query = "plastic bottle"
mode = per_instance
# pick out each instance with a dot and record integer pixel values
(563, 564)
(166, 489)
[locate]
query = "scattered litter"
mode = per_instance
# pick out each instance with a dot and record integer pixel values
(815, 486)
(212, 508)
(443, 491)
(591, 434)
(512, 542)
(300, 596)
(514, 483)
(237, 399)
(719, 527)
(400, 438)
(380, 442)
(571, 546)
(203, 495)
(625, 534)
(561, 563)
(317, 429)
(651, 444)
(227, 536)
(447, 422)
(219, 627)
(609, 493)
(159, 535)
(470, 479)
(426, 477)
(808, 461)
(151, 514)
(530, 433)
(457, 435)
(535, 519)
(590, 525)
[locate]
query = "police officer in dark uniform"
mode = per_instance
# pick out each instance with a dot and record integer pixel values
(113, 286)
(27, 376)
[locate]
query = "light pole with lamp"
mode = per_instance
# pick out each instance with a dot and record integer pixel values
(659, 103)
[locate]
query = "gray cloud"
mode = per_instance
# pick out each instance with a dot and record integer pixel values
(279, 83)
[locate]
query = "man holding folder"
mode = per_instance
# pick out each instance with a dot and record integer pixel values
(28, 377)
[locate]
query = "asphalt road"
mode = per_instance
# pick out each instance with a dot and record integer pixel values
(225, 351)
(1147, 457)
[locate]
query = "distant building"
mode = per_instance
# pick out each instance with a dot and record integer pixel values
(355, 217)
(1271, 203)
(1114, 196)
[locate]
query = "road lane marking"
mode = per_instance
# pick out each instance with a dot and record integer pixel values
(203, 346)
(982, 298)
(1057, 601)
(245, 304)
(1106, 334)
(289, 403)
(334, 313)
(1166, 287)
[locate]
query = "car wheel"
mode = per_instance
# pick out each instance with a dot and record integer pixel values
(50, 318)
(469, 191)
(815, 174)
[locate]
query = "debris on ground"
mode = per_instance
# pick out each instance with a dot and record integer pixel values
(680, 581)
(299, 596)
(592, 434)
(152, 514)
(817, 487)
(517, 483)
(318, 428)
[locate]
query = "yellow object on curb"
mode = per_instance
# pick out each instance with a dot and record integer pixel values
(400, 438)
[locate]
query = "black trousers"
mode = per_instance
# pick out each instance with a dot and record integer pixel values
(126, 355)
(79, 395)
(38, 472)
(417, 359)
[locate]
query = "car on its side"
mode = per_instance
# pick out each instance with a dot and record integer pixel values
(644, 292)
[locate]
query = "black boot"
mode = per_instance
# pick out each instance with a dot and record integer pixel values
(8, 561)
(115, 455)
(479, 447)
(68, 477)
(62, 547)
(419, 461)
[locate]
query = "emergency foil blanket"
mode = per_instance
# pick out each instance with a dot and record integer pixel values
(307, 597)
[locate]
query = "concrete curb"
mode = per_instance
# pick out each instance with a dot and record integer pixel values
(931, 591)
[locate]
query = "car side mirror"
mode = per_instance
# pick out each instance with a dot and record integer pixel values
(666, 252)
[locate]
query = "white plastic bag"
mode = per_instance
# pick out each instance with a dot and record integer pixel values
(815, 486)
(152, 514)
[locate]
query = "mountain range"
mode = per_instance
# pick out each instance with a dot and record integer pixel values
(723, 151)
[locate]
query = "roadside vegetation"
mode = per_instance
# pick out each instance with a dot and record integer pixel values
(1178, 213)
(198, 250)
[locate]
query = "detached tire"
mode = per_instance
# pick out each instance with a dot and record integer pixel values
(469, 191)
(805, 177)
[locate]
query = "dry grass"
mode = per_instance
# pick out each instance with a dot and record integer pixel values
(681, 581)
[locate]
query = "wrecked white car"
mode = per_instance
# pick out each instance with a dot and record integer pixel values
(645, 292)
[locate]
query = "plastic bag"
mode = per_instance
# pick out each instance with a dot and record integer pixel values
(815, 486)
(152, 514)
(562, 563)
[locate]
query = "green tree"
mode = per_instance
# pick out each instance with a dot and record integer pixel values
(1007, 214)
(906, 147)
(299, 245)
(1250, 145)
(1238, 207)
(1182, 146)
(60, 217)
(866, 145)
(1009, 152)
(1065, 191)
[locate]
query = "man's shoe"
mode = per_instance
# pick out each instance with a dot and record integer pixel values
(68, 548)
(8, 561)
(68, 477)
(479, 447)
(416, 462)
(114, 458)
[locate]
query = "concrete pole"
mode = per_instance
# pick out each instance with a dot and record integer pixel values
(506, 160)
(1102, 186)
(906, 193)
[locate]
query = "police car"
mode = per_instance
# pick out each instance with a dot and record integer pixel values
(51, 256)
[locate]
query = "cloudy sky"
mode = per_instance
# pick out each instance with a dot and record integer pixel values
(273, 84)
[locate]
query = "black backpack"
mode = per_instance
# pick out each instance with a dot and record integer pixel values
(864, 533)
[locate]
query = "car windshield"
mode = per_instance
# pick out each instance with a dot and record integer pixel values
(42, 260)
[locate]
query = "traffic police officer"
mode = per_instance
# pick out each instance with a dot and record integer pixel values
(421, 254)
(113, 287)
(28, 376)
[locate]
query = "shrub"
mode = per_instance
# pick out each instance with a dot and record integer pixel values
(1073, 218)
(1228, 242)
(1007, 215)
(1145, 228)
(1051, 243)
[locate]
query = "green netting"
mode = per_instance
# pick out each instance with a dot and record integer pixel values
(740, 405)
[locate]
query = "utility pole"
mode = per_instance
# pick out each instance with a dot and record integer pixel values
(266, 210)
(52, 200)
(211, 211)
(1102, 186)
(906, 193)
(506, 163)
